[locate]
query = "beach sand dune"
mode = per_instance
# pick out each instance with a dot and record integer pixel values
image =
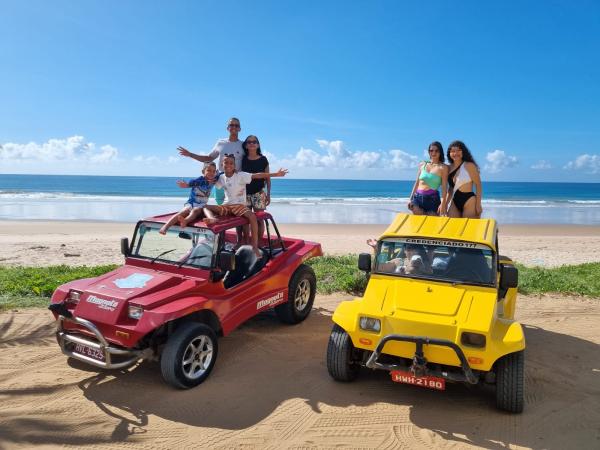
(37, 243)
(270, 389)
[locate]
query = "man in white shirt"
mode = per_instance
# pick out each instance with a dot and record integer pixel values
(229, 146)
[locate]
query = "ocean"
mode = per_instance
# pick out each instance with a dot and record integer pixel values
(127, 199)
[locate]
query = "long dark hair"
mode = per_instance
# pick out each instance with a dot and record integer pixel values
(440, 149)
(258, 152)
(466, 154)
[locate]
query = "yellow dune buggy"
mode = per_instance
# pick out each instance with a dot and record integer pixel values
(439, 307)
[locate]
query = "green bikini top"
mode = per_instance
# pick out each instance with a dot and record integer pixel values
(432, 180)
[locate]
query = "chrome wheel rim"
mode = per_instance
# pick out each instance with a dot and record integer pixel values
(302, 295)
(197, 357)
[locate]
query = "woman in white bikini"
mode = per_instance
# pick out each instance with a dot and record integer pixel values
(463, 176)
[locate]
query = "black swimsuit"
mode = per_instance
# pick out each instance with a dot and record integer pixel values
(459, 198)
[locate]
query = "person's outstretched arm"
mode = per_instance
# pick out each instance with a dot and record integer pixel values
(202, 158)
(182, 184)
(279, 173)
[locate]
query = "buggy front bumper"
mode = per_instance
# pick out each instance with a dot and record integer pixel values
(419, 364)
(67, 342)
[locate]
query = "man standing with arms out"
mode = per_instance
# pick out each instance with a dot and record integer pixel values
(229, 146)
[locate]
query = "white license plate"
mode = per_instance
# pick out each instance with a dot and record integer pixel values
(89, 352)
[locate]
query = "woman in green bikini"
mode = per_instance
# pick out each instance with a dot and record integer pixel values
(425, 198)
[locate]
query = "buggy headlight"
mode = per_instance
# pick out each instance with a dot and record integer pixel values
(370, 324)
(135, 312)
(73, 296)
(473, 339)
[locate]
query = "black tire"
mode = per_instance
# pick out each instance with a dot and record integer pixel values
(509, 382)
(189, 355)
(340, 354)
(301, 295)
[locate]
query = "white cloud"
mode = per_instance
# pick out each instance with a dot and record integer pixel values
(336, 156)
(585, 162)
(498, 160)
(173, 159)
(146, 159)
(402, 160)
(74, 148)
(542, 164)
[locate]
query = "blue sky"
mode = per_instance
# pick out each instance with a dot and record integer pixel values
(349, 89)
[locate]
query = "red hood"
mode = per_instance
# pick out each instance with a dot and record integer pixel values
(107, 296)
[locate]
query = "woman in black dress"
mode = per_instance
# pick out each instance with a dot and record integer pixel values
(258, 192)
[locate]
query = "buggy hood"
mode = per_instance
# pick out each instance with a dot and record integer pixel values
(407, 296)
(106, 297)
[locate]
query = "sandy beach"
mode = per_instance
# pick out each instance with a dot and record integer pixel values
(270, 390)
(270, 387)
(42, 243)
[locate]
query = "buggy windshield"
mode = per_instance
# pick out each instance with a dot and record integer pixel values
(182, 246)
(452, 261)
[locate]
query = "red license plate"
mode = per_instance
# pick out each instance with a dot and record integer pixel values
(89, 352)
(427, 381)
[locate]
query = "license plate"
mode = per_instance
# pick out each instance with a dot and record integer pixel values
(89, 352)
(427, 381)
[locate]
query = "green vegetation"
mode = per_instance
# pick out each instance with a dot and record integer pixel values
(582, 279)
(338, 274)
(32, 286)
(8, 302)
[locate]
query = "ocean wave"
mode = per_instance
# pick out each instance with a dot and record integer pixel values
(70, 196)
(27, 196)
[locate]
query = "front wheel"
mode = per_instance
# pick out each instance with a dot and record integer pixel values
(301, 295)
(189, 355)
(341, 362)
(509, 382)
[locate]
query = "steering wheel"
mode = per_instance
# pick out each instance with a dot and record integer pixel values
(462, 271)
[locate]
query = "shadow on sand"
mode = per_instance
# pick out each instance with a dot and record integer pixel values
(263, 365)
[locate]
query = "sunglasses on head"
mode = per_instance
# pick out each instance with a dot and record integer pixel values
(229, 155)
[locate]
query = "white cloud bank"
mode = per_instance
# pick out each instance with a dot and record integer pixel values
(74, 148)
(498, 160)
(335, 155)
(586, 163)
(402, 160)
(542, 164)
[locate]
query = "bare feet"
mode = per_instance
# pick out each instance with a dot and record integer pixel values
(163, 229)
(182, 221)
(257, 252)
(209, 220)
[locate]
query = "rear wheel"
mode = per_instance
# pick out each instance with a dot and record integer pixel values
(341, 362)
(301, 295)
(509, 382)
(189, 355)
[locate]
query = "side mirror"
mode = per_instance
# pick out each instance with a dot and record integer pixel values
(226, 260)
(125, 246)
(184, 235)
(509, 276)
(364, 262)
